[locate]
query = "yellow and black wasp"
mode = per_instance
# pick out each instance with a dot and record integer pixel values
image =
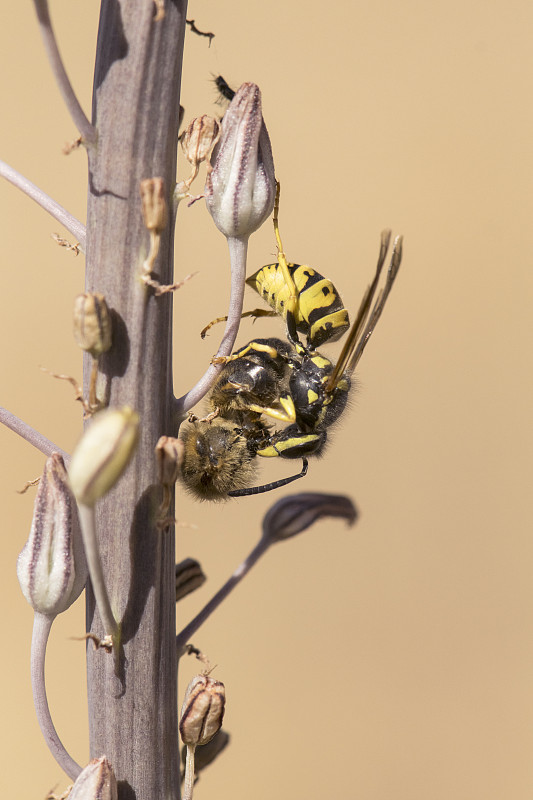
(271, 381)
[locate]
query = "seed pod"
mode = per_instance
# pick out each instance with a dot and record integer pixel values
(240, 189)
(51, 568)
(169, 454)
(103, 452)
(296, 512)
(92, 323)
(189, 577)
(202, 711)
(199, 139)
(154, 204)
(96, 782)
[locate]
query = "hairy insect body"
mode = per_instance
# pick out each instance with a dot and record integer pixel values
(268, 379)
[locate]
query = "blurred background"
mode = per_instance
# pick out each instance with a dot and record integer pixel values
(392, 659)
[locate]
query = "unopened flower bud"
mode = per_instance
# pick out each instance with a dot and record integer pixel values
(51, 568)
(154, 204)
(96, 782)
(296, 512)
(240, 188)
(189, 577)
(202, 711)
(92, 323)
(200, 138)
(103, 453)
(169, 454)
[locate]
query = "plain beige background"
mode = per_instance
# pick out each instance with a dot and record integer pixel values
(394, 659)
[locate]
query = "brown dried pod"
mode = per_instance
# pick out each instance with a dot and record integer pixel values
(154, 204)
(169, 454)
(202, 711)
(92, 323)
(199, 139)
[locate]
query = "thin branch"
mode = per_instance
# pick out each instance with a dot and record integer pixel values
(238, 248)
(87, 130)
(74, 226)
(242, 570)
(41, 630)
(31, 435)
(94, 562)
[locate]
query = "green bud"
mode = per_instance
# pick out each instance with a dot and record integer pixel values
(103, 453)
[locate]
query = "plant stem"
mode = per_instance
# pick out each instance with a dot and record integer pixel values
(88, 132)
(31, 435)
(59, 213)
(88, 530)
(238, 248)
(41, 631)
(242, 570)
(188, 781)
(135, 108)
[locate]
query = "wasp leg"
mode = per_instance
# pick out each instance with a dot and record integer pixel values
(251, 346)
(287, 415)
(256, 312)
(293, 443)
(268, 487)
(292, 302)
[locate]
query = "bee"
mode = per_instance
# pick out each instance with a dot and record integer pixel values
(286, 382)
(220, 449)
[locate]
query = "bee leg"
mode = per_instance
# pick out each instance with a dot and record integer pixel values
(268, 487)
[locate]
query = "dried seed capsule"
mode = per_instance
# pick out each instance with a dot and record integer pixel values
(96, 782)
(199, 139)
(169, 454)
(51, 568)
(103, 452)
(240, 189)
(296, 512)
(92, 323)
(189, 577)
(202, 710)
(154, 204)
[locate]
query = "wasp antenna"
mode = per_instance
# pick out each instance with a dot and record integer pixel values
(268, 487)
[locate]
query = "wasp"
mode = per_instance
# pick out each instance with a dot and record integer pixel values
(269, 382)
(308, 302)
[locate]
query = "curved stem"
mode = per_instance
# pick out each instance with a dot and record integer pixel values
(31, 435)
(41, 630)
(88, 531)
(242, 570)
(238, 248)
(74, 226)
(88, 132)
